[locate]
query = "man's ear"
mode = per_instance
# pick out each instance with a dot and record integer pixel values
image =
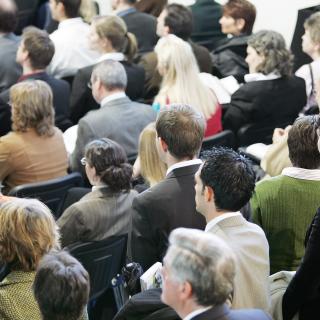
(185, 291)
(163, 145)
(240, 23)
(166, 30)
(208, 193)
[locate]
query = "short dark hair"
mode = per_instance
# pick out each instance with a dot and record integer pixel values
(71, 7)
(303, 142)
(182, 128)
(8, 17)
(39, 46)
(241, 9)
(179, 20)
(231, 177)
(110, 162)
(61, 287)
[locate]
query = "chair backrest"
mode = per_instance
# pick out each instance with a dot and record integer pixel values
(51, 192)
(225, 138)
(102, 259)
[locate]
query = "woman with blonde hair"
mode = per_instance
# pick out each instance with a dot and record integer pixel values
(109, 36)
(181, 82)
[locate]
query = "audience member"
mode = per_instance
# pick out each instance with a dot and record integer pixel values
(198, 274)
(61, 287)
(153, 7)
(170, 203)
(9, 69)
(109, 36)
(35, 150)
(119, 118)
(106, 210)
(176, 63)
(271, 97)
(70, 39)
(237, 20)
(284, 205)
(224, 184)
(174, 19)
(142, 25)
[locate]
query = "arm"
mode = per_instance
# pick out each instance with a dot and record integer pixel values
(255, 209)
(5, 167)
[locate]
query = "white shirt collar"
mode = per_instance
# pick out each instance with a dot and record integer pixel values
(195, 313)
(183, 164)
(250, 77)
(300, 173)
(66, 23)
(112, 97)
(217, 219)
(115, 56)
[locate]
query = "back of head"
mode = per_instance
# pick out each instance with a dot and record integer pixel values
(111, 74)
(32, 105)
(8, 16)
(110, 162)
(71, 7)
(182, 129)
(179, 20)
(312, 24)
(153, 7)
(231, 177)
(39, 46)
(302, 142)
(272, 47)
(28, 231)
(203, 260)
(61, 287)
(241, 9)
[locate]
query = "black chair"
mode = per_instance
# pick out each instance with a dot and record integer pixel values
(51, 192)
(225, 138)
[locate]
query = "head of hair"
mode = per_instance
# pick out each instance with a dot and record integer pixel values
(272, 47)
(178, 63)
(153, 7)
(71, 7)
(231, 177)
(179, 20)
(312, 24)
(110, 162)
(8, 16)
(182, 128)
(61, 287)
(302, 142)
(152, 168)
(115, 30)
(111, 74)
(130, 2)
(28, 231)
(203, 260)
(39, 46)
(32, 107)
(241, 9)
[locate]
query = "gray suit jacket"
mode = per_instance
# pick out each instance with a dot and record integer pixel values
(121, 120)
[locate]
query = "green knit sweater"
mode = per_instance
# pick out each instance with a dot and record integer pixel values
(284, 208)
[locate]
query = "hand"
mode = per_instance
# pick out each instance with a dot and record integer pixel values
(279, 134)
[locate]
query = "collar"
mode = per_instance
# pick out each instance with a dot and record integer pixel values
(112, 97)
(115, 56)
(29, 75)
(123, 13)
(217, 219)
(18, 277)
(300, 173)
(261, 77)
(183, 164)
(196, 312)
(66, 23)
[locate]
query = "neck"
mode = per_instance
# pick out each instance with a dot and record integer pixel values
(170, 161)
(123, 6)
(28, 70)
(315, 55)
(109, 93)
(214, 213)
(187, 308)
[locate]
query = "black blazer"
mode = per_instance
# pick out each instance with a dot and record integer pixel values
(82, 100)
(157, 211)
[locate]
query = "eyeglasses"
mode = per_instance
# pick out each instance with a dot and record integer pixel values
(83, 161)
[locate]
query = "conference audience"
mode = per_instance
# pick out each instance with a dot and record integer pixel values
(108, 35)
(61, 287)
(170, 203)
(34, 150)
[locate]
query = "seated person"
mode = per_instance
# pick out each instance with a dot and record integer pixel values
(57, 273)
(271, 97)
(106, 210)
(34, 151)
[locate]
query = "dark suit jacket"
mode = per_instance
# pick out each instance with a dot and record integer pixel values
(166, 206)
(81, 96)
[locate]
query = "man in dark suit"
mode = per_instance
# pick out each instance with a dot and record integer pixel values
(198, 272)
(118, 118)
(169, 204)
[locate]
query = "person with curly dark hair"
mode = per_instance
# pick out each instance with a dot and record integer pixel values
(106, 210)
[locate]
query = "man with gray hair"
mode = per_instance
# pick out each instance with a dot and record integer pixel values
(118, 118)
(198, 275)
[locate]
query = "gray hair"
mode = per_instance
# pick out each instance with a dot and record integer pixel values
(111, 73)
(272, 46)
(203, 260)
(312, 24)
